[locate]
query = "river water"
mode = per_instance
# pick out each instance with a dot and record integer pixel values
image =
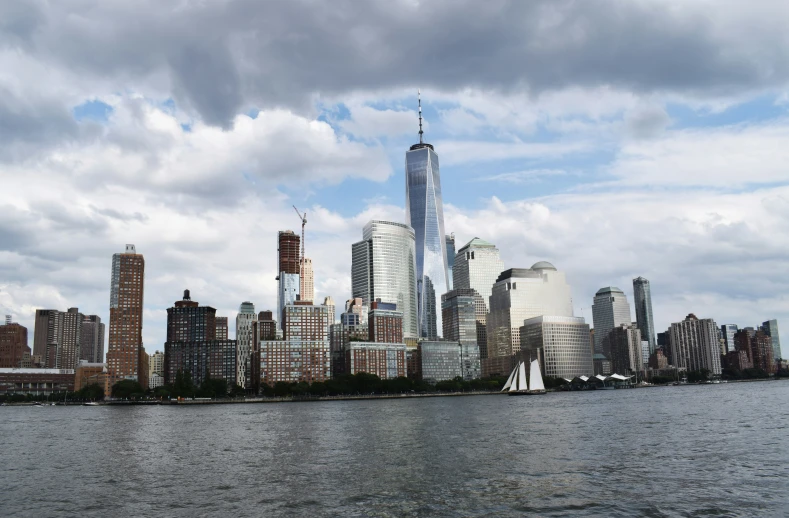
(710, 450)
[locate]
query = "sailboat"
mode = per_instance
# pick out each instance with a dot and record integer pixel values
(517, 385)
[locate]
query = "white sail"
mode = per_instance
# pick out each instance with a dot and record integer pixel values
(535, 377)
(510, 380)
(522, 377)
(515, 382)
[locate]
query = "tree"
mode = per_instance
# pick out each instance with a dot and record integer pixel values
(92, 392)
(125, 389)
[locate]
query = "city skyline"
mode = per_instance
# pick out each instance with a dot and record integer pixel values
(603, 171)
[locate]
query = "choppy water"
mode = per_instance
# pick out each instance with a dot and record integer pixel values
(714, 450)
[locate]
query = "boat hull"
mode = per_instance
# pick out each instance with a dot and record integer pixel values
(519, 393)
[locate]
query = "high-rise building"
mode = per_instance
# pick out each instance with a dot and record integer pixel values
(694, 345)
(770, 328)
(560, 343)
(450, 246)
(198, 357)
(439, 360)
(126, 357)
(92, 340)
(245, 341)
(626, 355)
(58, 338)
(266, 328)
(642, 296)
(609, 310)
(520, 294)
(385, 360)
(188, 321)
(727, 332)
(384, 267)
(459, 311)
(70, 339)
(45, 335)
(329, 303)
(424, 212)
(288, 282)
(156, 370)
(385, 323)
(13, 345)
(308, 288)
(221, 328)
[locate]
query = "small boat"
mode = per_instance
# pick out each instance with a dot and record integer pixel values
(517, 384)
(90, 403)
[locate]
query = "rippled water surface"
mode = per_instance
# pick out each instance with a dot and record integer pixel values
(713, 450)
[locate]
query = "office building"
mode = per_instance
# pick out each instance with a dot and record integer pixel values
(126, 357)
(520, 294)
(13, 345)
(188, 321)
(450, 246)
(307, 291)
(329, 303)
(384, 267)
(385, 323)
(694, 345)
(385, 360)
(245, 341)
(424, 213)
(770, 328)
(642, 295)
(625, 353)
(221, 328)
(727, 333)
(609, 310)
(439, 360)
(92, 340)
(459, 311)
(561, 343)
(288, 283)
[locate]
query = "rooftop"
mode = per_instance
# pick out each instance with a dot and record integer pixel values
(609, 289)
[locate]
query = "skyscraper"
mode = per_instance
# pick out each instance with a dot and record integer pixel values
(643, 300)
(45, 335)
(126, 357)
(477, 265)
(609, 310)
(384, 267)
(245, 341)
(694, 344)
(288, 285)
(770, 328)
(92, 340)
(450, 259)
(13, 344)
(308, 289)
(424, 212)
(520, 294)
(727, 332)
(560, 343)
(459, 309)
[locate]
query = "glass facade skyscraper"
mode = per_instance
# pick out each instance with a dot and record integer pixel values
(450, 260)
(609, 310)
(644, 319)
(424, 212)
(384, 267)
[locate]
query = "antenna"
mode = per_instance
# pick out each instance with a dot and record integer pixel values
(303, 218)
(419, 100)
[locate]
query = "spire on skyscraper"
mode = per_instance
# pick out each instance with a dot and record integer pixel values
(419, 101)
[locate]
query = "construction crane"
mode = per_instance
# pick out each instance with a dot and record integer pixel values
(303, 218)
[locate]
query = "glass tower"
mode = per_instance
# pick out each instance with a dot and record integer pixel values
(450, 260)
(609, 310)
(424, 212)
(644, 320)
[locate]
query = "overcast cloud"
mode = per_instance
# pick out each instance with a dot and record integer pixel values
(612, 138)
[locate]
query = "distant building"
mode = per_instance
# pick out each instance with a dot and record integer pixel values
(770, 328)
(217, 357)
(13, 345)
(156, 364)
(759, 348)
(384, 267)
(609, 310)
(385, 323)
(88, 373)
(265, 328)
(126, 356)
(459, 311)
(439, 360)
(288, 263)
(385, 360)
(92, 340)
(221, 328)
(625, 349)
(188, 321)
(561, 343)
(727, 332)
(308, 288)
(450, 242)
(38, 382)
(477, 266)
(245, 342)
(642, 295)
(694, 345)
(658, 360)
(329, 303)
(520, 294)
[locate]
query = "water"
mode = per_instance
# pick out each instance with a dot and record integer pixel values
(713, 450)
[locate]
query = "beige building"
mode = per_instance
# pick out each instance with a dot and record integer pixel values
(308, 286)
(90, 374)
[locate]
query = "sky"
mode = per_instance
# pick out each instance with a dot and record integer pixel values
(614, 139)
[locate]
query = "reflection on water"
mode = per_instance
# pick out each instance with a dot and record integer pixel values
(679, 451)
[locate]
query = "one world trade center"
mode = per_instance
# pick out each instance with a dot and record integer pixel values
(424, 212)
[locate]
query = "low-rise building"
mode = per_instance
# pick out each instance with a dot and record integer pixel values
(439, 360)
(39, 382)
(88, 373)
